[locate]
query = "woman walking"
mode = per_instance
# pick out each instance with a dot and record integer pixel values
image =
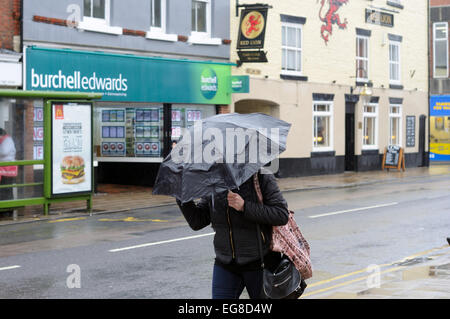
(234, 217)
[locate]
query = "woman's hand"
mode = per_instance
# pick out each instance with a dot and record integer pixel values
(235, 201)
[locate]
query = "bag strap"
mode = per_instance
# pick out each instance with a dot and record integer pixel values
(258, 228)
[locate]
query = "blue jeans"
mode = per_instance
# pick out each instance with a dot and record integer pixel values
(229, 285)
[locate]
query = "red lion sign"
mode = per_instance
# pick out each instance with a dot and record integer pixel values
(331, 17)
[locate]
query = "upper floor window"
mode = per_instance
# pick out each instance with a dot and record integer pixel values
(440, 49)
(157, 14)
(96, 9)
(200, 16)
(362, 58)
(291, 46)
(97, 17)
(394, 62)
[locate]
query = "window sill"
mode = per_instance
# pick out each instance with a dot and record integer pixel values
(161, 36)
(204, 40)
(369, 150)
(396, 86)
(99, 27)
(394, 4)
(285, 76)
(323, 152)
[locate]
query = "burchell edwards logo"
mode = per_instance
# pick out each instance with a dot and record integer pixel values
(209, 83)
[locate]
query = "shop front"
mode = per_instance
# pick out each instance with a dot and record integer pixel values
(440, 128)
(146, 104)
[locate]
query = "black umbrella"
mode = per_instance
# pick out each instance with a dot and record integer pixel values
(220, 153)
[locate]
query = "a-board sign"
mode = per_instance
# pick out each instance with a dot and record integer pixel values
(393, 158)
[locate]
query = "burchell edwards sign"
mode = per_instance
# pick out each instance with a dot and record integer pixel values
(128, 78)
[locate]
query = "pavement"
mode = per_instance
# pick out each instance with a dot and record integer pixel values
(426, 275)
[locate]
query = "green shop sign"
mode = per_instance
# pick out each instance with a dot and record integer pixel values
(240, 83)
(128, 78)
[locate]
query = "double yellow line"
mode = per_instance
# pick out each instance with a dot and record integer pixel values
(323, 282)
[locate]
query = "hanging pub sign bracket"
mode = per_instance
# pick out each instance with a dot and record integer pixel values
(251, 33)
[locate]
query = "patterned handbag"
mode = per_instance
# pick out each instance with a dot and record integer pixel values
(289, 240)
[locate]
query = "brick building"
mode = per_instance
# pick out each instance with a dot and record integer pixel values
(320, 58)
(10, 46)
(439, 80)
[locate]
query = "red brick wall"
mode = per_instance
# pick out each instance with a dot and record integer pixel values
(10, 24)
(437, 3)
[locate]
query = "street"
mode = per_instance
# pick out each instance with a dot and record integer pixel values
(152, 253)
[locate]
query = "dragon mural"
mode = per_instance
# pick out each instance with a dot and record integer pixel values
(331, 17)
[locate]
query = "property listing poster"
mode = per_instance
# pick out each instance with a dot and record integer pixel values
(72, 148)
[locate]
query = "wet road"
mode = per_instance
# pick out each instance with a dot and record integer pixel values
(154, 254)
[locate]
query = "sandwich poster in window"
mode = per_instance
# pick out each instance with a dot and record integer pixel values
(71, 148)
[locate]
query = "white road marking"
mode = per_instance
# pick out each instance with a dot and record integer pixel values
(353, 210)
(10, 267)
(160, 242)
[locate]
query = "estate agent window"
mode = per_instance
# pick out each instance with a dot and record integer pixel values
(291, 48)
(440, 49)
(322, 126)
(394, 62)
(395, 120)
(362, 59)
(370, 126)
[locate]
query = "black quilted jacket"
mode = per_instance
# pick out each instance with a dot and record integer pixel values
(235, 232)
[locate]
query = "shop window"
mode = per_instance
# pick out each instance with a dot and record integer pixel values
(122, 132)
(362, 58)
(395, 125)
(370, 126)
(322, 126)
(291, 55)
(185, 115)
(440, 49)
(394, 62)
(21, 141)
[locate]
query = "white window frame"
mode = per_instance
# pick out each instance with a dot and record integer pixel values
(204, 37)
(100, 25)
(400, 124)
(161, 29)
(434, 49)
(156, 33)
(358, 58)
(398, 63)
(370, 115)
(329, 114)
(298, 49)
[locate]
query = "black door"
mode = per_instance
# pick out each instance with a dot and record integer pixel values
(350, 137)
(423, 158)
